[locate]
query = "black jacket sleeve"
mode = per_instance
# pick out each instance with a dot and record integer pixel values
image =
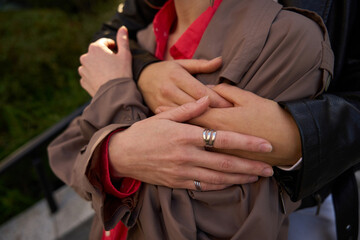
(330, 125)
(136, 15)
(330, 134)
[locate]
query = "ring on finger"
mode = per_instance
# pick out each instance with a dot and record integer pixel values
(209, 136)
(197, 185)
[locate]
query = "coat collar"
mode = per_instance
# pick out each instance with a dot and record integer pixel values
(251, 22)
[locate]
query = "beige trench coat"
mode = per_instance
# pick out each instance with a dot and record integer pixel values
(276, 53)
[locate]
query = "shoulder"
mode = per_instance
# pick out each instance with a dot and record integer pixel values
(300, 32)
(299, 24)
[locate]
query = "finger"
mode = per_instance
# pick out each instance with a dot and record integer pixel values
(233, 140)
(82, 58)
(163, 109)
(229, 140)
(213, 180)
(187, 111)
(224, 163)
(106, 44)
(81, 71)
(196, 90)
(204, 186)
(194, 66)
(122, 39)
(87, 87)
(211, 187)
(175, 95)
(229, 93)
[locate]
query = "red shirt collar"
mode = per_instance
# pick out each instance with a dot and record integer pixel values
(186, 45)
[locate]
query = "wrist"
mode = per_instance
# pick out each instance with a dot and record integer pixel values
(293, 137)
(115, 156)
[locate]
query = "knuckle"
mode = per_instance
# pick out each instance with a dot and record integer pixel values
(186, 112)
(175, 158)
(185, 107)
(185, 137)
(201, 92)
(255, 169)
(217, 179)
(223, 141)
(82, 82)
(165, 90)
(82, 59)
(226, 164)
(250, 144)
(80, 70)
(181, 158)
(205, 187)
(93, 46)
(174, 72)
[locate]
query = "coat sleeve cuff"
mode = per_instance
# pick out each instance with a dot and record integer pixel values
(298, 183)
(124, 105)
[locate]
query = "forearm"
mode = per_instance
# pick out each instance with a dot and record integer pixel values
(71, 156)
(76, 154)
(330, 130)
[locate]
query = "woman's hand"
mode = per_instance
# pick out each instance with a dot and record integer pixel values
(170, 83)
(101, 64)
(162, 150)
(255, 116)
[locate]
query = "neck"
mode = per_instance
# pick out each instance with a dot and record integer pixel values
(188, 11)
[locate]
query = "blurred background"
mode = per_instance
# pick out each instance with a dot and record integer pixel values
(40, 45)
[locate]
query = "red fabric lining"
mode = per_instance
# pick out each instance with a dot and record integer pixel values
(187, 44)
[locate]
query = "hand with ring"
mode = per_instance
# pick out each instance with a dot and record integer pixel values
(162, 150)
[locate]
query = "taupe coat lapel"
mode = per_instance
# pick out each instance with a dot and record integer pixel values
(239, 37)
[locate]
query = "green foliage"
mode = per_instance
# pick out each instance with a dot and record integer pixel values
(39, 83)
(39, 57)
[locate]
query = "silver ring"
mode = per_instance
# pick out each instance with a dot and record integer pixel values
(197, 185)
(209, 136)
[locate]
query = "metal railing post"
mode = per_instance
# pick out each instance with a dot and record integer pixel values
(45, 184)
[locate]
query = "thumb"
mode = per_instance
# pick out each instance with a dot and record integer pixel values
(194, 66)
(161, 109)
(187, 111)
(122, 39)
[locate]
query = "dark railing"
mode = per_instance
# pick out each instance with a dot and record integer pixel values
(31, 149)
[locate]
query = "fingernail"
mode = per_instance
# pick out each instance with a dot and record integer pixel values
(124, 30)
(268, 172)
(203, 99)
(265, 147)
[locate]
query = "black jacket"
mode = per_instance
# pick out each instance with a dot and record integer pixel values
(329, 125)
